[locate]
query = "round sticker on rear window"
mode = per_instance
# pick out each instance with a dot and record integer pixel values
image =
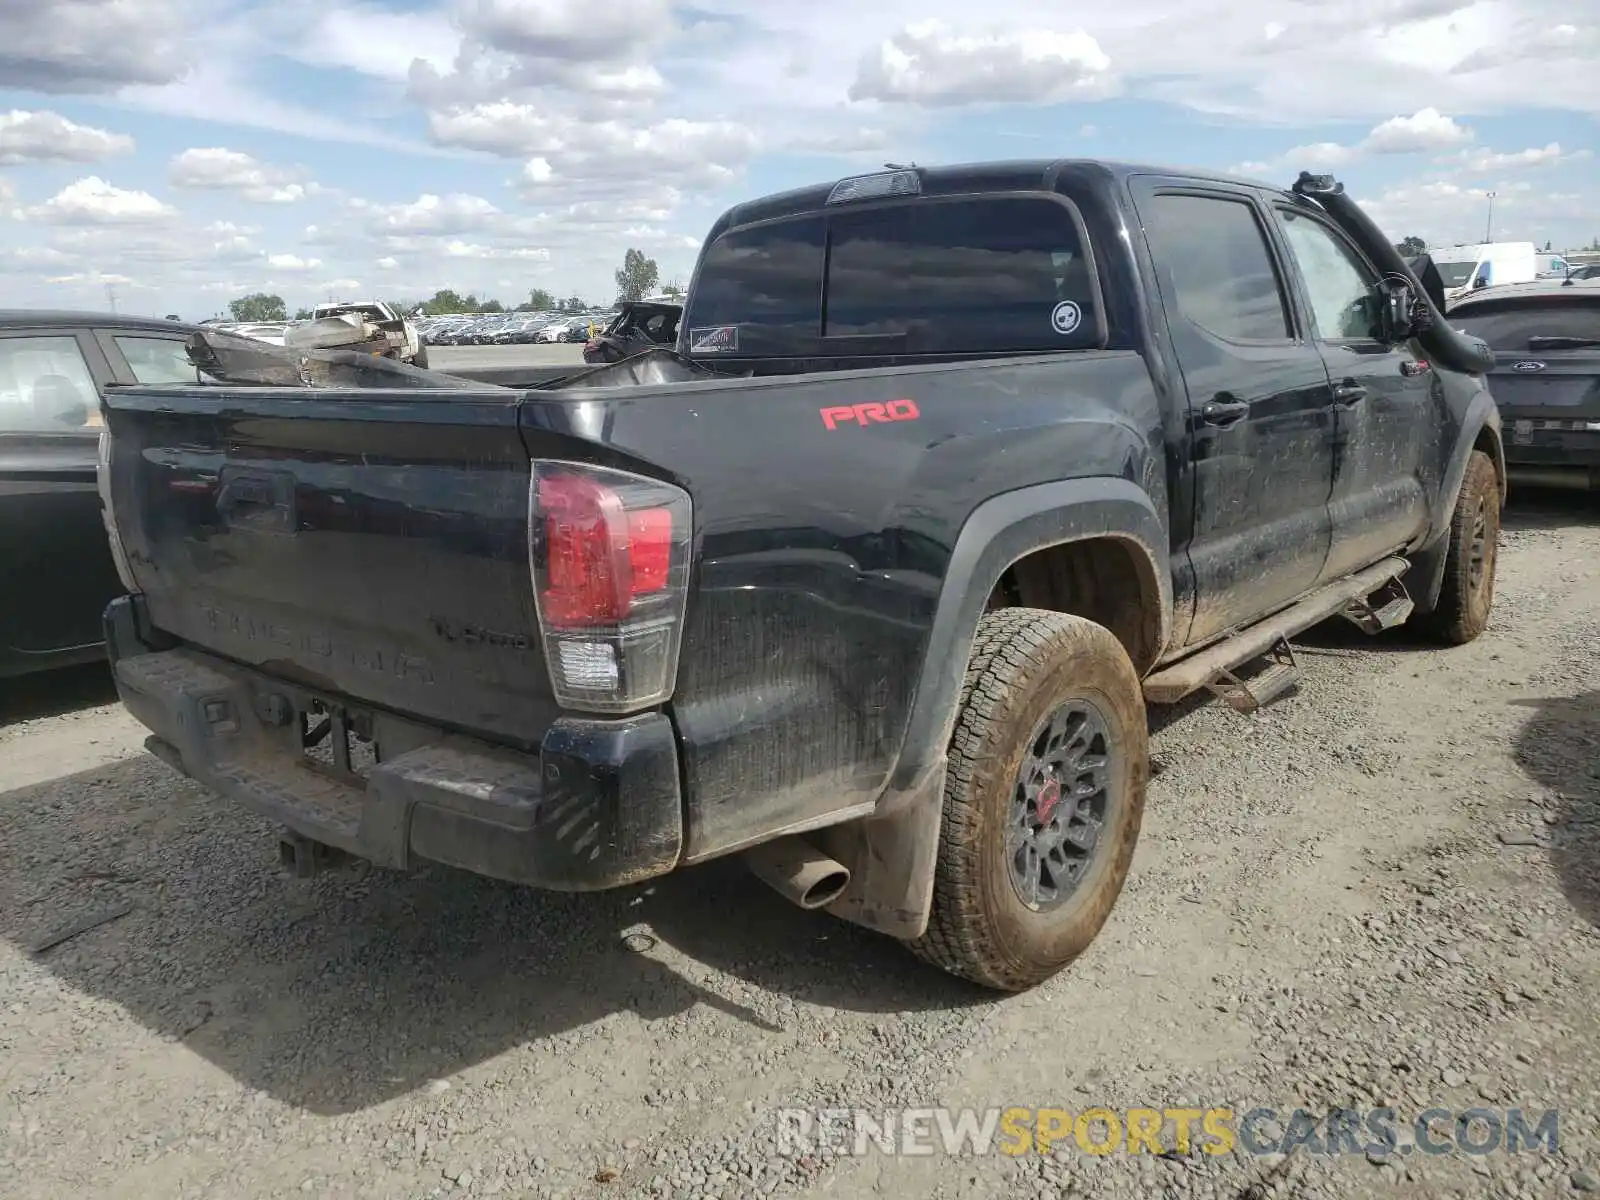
(1066, 317)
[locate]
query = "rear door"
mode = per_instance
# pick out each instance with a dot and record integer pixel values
(1260, 405)
(1384, 433)
(58, 566)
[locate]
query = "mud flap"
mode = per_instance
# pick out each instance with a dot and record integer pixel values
(891, 856)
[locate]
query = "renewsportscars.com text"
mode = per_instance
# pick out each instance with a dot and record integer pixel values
(1019, 1131)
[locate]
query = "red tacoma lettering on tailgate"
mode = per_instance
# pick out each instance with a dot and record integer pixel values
(871, 411)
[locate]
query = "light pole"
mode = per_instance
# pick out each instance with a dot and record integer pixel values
(1488, 228)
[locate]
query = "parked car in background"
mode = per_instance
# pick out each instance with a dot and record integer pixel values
(59, 575)
(652, 321)
(1546, 379)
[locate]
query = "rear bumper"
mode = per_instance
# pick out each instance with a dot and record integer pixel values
(599, 807)
(1556, 450)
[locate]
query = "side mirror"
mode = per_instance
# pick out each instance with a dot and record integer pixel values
(1397, 321)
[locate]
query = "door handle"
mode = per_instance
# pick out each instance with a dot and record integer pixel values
(1347, 393)
(1224, 410)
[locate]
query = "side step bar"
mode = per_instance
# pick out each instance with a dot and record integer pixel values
(1346, 597)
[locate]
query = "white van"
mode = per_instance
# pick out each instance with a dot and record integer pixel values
(1466, 268)
(1551, 266)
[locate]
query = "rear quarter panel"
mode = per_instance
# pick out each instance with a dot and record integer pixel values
(822, 553)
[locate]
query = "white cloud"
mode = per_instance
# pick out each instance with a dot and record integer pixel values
(389, 264)
(460, 249)
(1535, 156)
(35, 255)
(860, 140)
(929, 63)
(573, 156)
(47, 137)
(1446, 212)
(342, 285)
(65, 46)
(516, 47)
(1321, 156)
(93, 201)
(359, 35)
(1427, 129)
(92, 279)
(215, 168)
(292, 262)
(430, 215)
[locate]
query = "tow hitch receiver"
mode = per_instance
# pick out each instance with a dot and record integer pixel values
(305, 857)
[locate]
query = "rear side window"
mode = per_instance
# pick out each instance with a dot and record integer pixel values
(985, 275)
(1509, 328)
(764, 284)
(158, 360)
(45, 386)
(1215, 254)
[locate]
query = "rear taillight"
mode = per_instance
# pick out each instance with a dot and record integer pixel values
(108, 516)
(609, 551)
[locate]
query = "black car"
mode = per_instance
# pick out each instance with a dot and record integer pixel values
(54, 366)
(1546, 380)
(640, 325)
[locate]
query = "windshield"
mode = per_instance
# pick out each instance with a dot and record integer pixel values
(1509, 328)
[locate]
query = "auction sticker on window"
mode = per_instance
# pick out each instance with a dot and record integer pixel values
(1066, 317)
(714, 339)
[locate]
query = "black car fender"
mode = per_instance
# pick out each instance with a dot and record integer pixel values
(1481, 422)
(891, 854)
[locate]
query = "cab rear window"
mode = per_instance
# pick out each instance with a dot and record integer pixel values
(933, 276)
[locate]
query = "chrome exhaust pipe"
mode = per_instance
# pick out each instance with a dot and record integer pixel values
(798, 871)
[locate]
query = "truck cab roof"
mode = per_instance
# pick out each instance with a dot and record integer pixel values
(998, 176)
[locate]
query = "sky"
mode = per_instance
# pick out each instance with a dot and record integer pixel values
(166, 156)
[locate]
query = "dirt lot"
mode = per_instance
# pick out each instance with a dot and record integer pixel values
(1380, 890)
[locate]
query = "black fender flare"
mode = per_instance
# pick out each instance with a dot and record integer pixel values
(998, 533)
(892, 854)
(1428, 562)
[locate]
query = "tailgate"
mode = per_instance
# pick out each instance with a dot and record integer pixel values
(1550, 400)
(371, 545)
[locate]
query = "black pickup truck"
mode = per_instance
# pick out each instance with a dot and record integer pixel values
(974, 462)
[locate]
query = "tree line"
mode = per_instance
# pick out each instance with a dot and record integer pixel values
(637, 277)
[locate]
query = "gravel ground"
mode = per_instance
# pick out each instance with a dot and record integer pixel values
(1379, 890)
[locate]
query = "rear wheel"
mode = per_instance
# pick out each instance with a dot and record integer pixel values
(1474, 540)
(1043, 799)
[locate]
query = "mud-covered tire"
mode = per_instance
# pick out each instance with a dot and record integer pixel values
(1467, 596)
(1026, 665)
